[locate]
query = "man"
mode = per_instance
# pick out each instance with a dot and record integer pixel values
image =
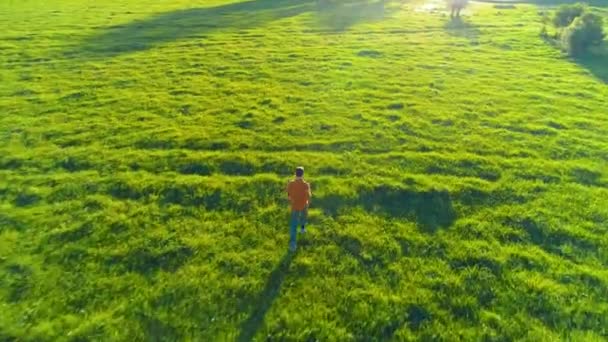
(299, 194)
(456, 6)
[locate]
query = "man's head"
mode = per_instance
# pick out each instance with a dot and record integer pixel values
(299, 171)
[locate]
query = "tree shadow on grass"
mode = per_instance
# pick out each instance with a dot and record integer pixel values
(431, 210)
(264, 301)
(339, 15)
(188, 23)
(145, 34)
(596, 62)
(552, 240)
(595, 3)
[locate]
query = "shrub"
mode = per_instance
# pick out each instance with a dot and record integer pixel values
(544, 33)
(566, 14)
(584, 32)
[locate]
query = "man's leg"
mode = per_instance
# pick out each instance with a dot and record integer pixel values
(303, 217)
(293, 229)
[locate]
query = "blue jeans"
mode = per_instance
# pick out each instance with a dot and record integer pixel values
(298, 217)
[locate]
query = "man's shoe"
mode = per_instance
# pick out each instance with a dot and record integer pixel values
(302, 230)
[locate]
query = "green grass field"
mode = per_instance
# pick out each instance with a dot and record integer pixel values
(459, 173)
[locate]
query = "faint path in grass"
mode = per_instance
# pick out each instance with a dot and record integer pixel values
(196, 22)
(263, 303)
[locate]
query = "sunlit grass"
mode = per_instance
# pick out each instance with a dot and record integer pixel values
(459, 173)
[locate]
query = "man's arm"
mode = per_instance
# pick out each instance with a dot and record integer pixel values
(309, 192)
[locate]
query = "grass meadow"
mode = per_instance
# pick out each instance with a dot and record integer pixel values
(459, 171)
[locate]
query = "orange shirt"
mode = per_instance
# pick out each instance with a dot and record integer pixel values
(299, 194)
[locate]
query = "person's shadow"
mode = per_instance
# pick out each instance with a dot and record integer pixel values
(264, 301)
(458, 27)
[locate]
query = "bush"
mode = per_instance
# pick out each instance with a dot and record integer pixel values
(566, 14)
(544, 33)
(584, 32)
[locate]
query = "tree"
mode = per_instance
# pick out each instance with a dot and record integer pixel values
(584, 32)
(565, 14)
